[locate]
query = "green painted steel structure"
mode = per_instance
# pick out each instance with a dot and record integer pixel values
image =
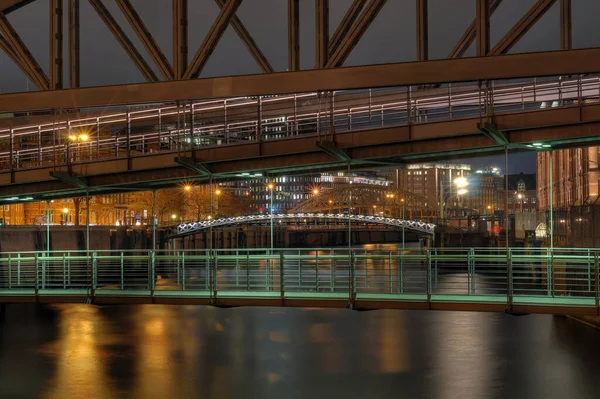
(560, 281)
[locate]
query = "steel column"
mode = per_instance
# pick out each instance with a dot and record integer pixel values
(212, 39)
(249, 42)
(565, 25)
(344, 26)
(124, 41)
(483, 27)
(56, 44)
(422, 31)
(321, 33)
(180, 38)
(293, 35)
(73, 43)
(146, 38)
(534, 14)
(355, 34)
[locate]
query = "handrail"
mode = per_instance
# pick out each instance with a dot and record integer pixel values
(507, 278)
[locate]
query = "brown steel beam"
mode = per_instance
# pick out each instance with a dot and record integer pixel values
(471, 33)
(6, 47)
(8, 6)
(212, 39)
(293, 35)
(124, 41)
(356, 32)
(534, 14)
(565, 25)
(180, 38)
(321, 33)
(56, 44)
(249, 42)
(344, 26)
(483, 27)
(422, 31)
(146, 38)
(74, 66)
(22, 52)
(552, 63)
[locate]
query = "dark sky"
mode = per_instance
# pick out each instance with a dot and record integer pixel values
(391, 38)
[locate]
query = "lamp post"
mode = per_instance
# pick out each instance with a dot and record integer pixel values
(271, 187)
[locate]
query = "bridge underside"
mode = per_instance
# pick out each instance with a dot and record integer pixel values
(561, 127)
(524, 305)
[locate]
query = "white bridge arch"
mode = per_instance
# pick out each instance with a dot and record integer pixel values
(191, 228)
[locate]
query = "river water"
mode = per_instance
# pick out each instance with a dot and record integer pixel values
(156, 351)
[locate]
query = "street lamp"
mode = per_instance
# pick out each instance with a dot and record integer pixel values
(187, 187)
(316, 191)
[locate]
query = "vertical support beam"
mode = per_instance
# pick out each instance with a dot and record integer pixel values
(56, 44)
(180, 38)
(483, 27)
(321, 33)
(74, 44)
(293, 35)
(422, 31)
(470, 34)
(565, 25)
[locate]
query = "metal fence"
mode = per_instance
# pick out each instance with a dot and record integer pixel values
(488, 274)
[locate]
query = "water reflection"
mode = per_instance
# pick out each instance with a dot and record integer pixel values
(152, 351)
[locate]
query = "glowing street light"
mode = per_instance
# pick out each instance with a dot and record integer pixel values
(66, 210)
(316, 191)
(462, 191)
(218, 192)
(461, 182)
(187, 187)
(173, 216)
(84, 137)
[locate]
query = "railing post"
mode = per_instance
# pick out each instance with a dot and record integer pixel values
(589, 271)
(182, 266)
(332, 271)
(183, 277)
(36, 260)
(152, 270)
(64, 271)
(237, 267)
(122, 267)
(509, 292)
(122, 280)
(19, 269)
(428, 282)
(469, 277)
(281, 280)
(215, 275)
(391, 283)
(207, 282)
(9, 272)
(248, 271)
(95, 269)
(549, 272)
(401, 273)
(43, 286)
(317, 271)
(597, 283)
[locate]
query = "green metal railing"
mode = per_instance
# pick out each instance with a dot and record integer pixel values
(559, 277)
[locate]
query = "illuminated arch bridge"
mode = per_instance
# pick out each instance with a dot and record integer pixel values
(195, 227)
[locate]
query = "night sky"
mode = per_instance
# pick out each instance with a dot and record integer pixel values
(391, 38)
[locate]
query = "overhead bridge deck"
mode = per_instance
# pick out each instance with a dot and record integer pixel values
(156, 147)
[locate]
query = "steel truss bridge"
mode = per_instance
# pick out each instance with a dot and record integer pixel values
(296, 218)
(282, 122)
(362, 197)
(559, 281)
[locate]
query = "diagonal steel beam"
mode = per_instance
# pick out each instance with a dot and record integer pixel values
(146, 38)
(249, 42)
(68, 178)
(194, 166)
(344, 26)
(471, 33)
(491, 131)
(332, 149)
(355, 33)
(534, 14)
(8, 6)
(212, 39)
(124, 41)
(180, 38)
(6, 47)
(22, 52)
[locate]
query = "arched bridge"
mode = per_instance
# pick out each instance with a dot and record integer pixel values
(192, 228)
(367, 198)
